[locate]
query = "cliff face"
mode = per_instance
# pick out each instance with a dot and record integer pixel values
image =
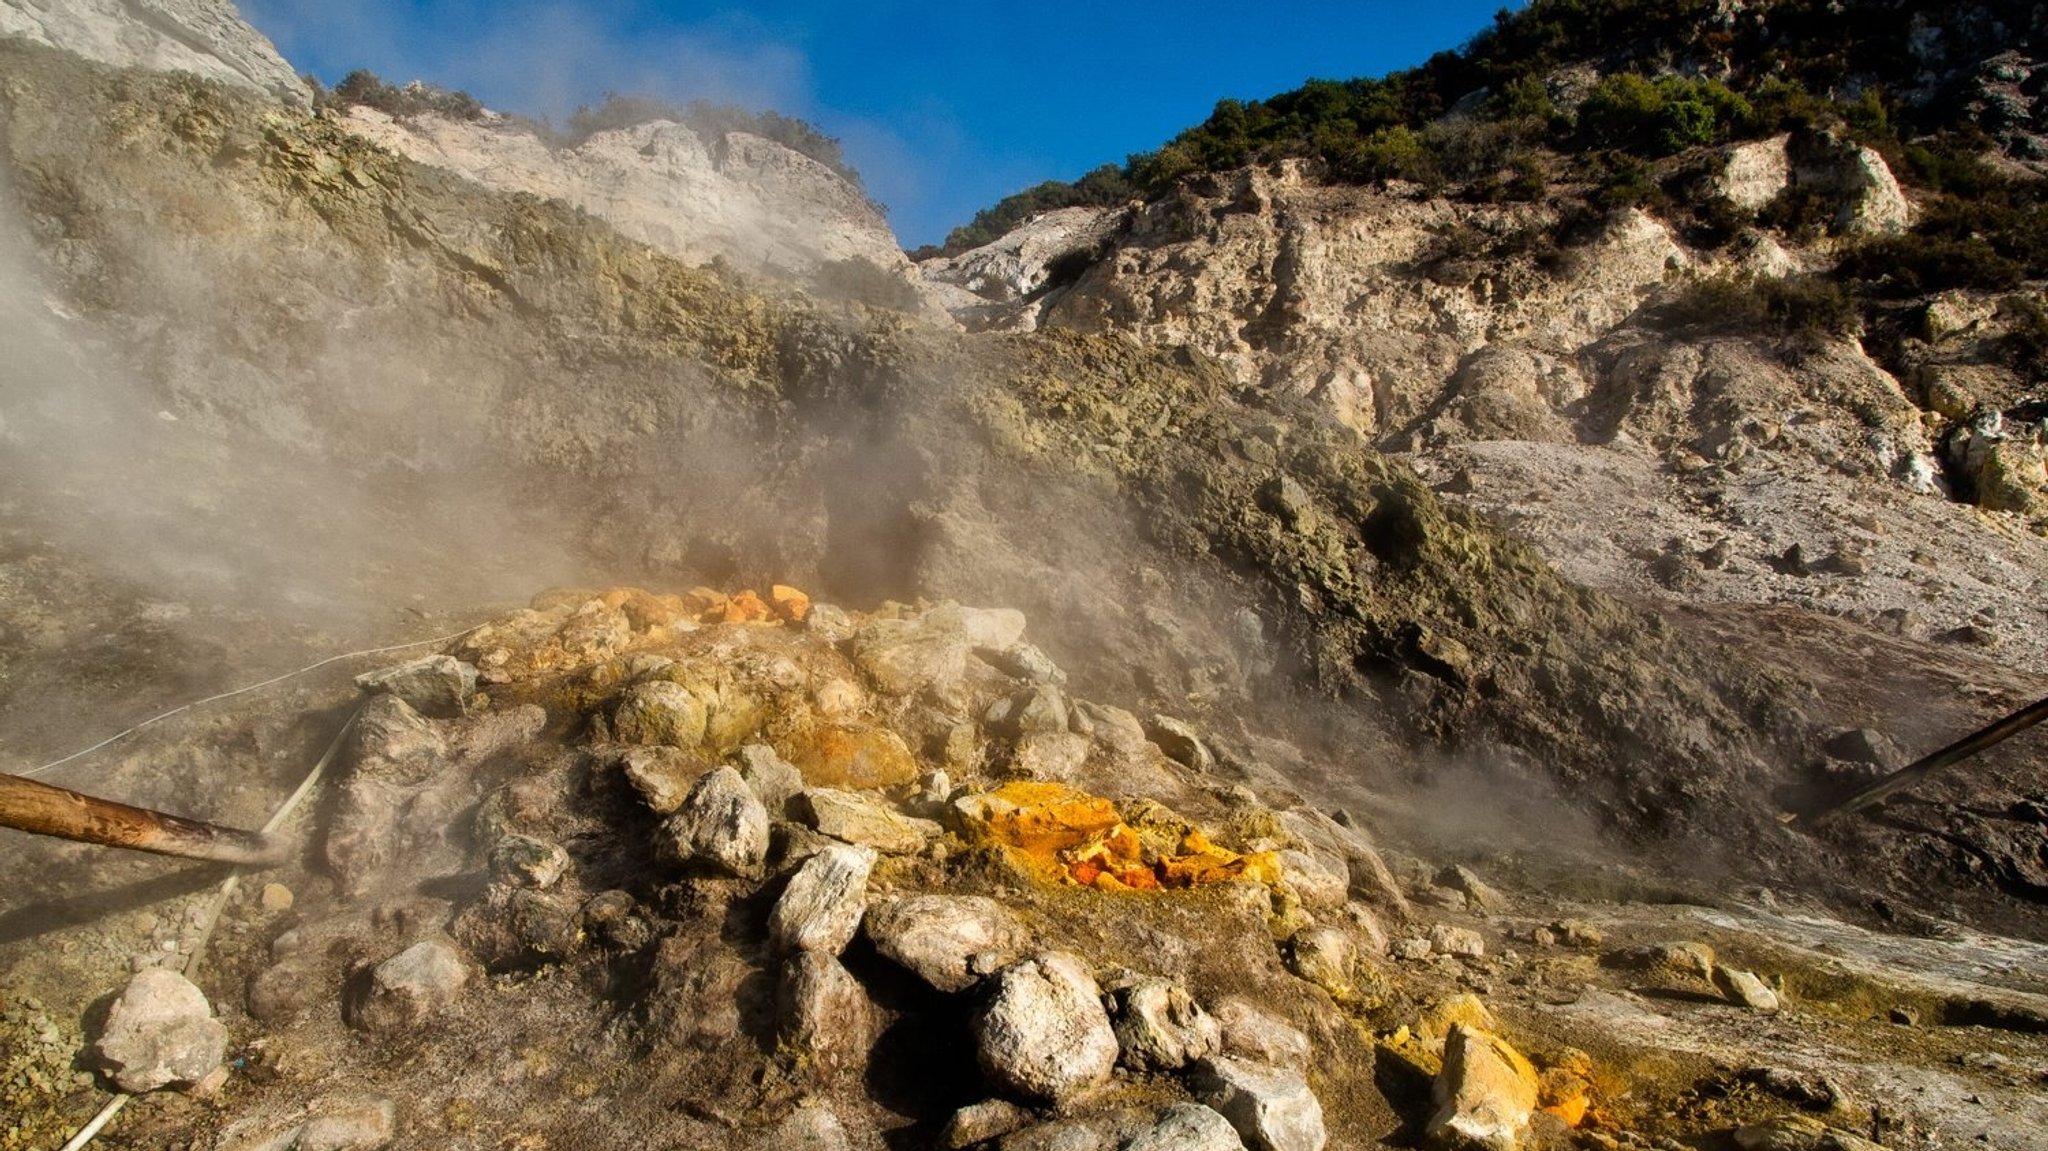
(739, 198)
(205, 37)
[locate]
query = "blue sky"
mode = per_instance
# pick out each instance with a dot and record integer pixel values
(944, 108)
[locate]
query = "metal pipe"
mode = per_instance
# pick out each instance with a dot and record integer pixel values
(28, 805)
(1921, 768)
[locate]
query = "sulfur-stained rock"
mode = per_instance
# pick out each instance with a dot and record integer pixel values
(1040, 1031)
(1688, 959)
(406, 989)
(1159, 1026)
(949, 941)
(1324, 956)
(435, 685)
(660, 712)
(822, 907)
(1485, 1094)
(1188, 1127)
(1252, 1034)
(1271, 1108)
(857, 758)
(903, 657)
(1434, 1024)
(721, 825)
(1745, 989)
(826, 1020)
(661, 776)
(860, 818)
(160, 1031)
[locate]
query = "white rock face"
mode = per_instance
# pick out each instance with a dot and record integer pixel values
(1757, 171)
(974, 284)
(205, 37)
(742, 198)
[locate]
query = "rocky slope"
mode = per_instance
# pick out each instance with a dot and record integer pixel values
(270, 389)
(1550, 372)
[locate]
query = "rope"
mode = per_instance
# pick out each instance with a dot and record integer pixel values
(227, 890)
(118, 736)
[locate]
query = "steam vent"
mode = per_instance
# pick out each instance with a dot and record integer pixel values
(1495, 606)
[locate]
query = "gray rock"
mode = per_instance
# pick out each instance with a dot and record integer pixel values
(1159, 1026)
(811, 1127)
(904, 657)
(826, 1018)
(1057, 756)
(1316, 885)
(982, 1122)
(1271, 1108)
(1188, 1127)
(949, 941)
(1041, 1032)
(721, 825)
(437, 685)
(1477, 892)
(857, 817)
(1460, 941)
(1024, 661)
(1116, 729)
(393, 752)
(823, 904)
(1413, 948)
(1259, 1037)
(1745, 989)
(1372, 936)
(1040, 710)
(774, 779)
(1180, 742)
(662, 776)
(523, 861)
(408, 988)
(160, 1031)
(660, 712)
(1864, 745)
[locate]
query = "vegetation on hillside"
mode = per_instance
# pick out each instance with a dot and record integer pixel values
(1600, 92)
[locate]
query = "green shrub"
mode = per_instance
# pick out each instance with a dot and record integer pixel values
(1917, 264)
(363, 87)
(1659, 117)
(1737, 304)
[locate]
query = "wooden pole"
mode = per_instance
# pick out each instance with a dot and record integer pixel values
(1920, 769)
(43, 809)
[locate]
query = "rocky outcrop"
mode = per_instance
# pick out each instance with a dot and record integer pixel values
(205, 37)
(739, 198)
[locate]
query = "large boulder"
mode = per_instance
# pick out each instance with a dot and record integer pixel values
(1484, 1095)
(950, 941)
(1272, 1108)
(1041, 1033)
(721, 826)
(821, 908)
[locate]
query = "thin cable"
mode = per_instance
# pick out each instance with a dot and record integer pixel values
(227, 890)
(56, 763)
